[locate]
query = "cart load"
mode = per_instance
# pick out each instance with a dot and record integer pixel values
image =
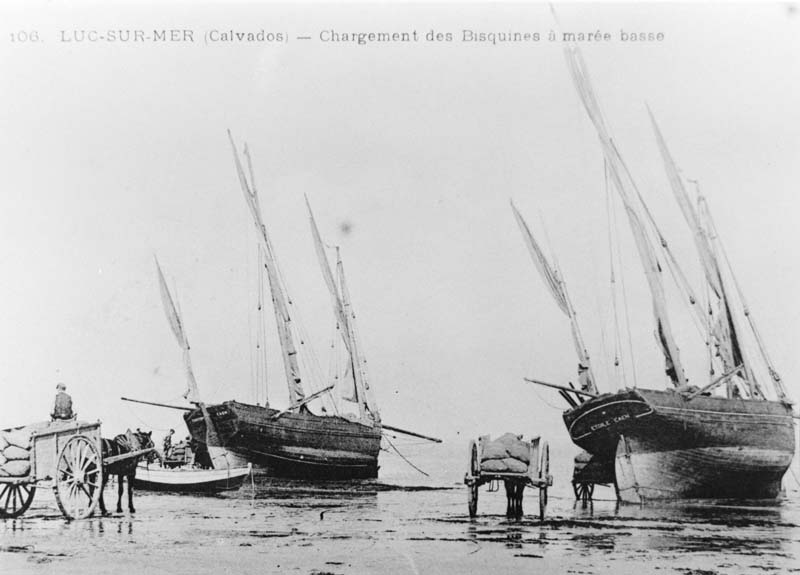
(590, 470)
(518, 463)
(506, 454)
(16, 445)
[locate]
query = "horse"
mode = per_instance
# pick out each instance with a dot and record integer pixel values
(124, 443)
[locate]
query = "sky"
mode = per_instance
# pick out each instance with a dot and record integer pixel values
(113, 153)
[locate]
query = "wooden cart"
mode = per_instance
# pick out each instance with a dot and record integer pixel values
(537, 476)
(67, 457)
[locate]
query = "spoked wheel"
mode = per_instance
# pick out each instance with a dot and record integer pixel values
(15, 499)
(544, 476)
(79, 478)
(474, 471)
(583, 491)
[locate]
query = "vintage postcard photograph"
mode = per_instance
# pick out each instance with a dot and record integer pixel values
(346, 288)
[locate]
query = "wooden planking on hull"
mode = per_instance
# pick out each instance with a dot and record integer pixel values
(700, 473)
(302, 445)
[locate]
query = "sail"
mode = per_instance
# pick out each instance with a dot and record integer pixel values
(328, 275)
(548, 274)
(352, 393)
(707, 258)
(559, 291)
(626, 188)
(173, 317)
(340, 297)
(366, 401)
(279, 299)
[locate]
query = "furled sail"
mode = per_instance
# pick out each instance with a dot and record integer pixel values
(626, 188)
(279, 300)
(559, 291)
(173, 317)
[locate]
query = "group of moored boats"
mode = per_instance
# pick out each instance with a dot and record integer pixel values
(730, 438)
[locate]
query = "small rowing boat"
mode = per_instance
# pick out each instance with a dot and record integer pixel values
(186, 479)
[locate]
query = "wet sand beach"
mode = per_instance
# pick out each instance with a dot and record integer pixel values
(402, 525)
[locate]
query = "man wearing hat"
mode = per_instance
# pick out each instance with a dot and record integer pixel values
(63, 407)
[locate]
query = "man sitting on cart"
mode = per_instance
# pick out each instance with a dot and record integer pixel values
(63, 406)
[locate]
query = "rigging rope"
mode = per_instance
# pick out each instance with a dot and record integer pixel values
(403, 457)
(619, 365)
(776, 378)
(626, 308)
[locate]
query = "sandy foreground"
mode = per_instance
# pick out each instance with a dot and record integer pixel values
(379, 528)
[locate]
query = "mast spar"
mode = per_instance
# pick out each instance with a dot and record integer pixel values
(627, 190)
(340, 299)
(283, 319)
(725, 330)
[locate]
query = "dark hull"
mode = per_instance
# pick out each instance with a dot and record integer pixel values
(674, 448)
(297, 445)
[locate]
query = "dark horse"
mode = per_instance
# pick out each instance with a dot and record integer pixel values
(125, 443)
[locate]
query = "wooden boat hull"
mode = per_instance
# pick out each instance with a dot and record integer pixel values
(150, 478)
(664, 446)
(297, 445)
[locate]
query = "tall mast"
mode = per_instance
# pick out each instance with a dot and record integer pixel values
(752, 382)
(340, 299)
(558, 289)
(627, 190)
(724, 332)
(283, 319)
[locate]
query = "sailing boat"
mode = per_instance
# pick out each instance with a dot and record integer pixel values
(296, 442)
(726, 439)
(218, 456)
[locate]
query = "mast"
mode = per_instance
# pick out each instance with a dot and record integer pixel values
(753, 386)
(725, 331)
(626, 188)
(283, 319)
(340, 299)
(558, 289)
(366, 405)
(261, 346)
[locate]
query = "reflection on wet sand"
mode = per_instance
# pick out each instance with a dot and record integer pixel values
(371, 527)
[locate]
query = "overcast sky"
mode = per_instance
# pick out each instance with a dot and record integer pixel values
(112, 153)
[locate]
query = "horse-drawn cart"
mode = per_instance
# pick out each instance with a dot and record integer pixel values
(517, 463)
(66, 456)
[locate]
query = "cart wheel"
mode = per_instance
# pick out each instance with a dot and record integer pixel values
(474, 464)
(15, 499)
(472, 493)
(583, 491)
(544, 475)
(79, 478)
(474, 472)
